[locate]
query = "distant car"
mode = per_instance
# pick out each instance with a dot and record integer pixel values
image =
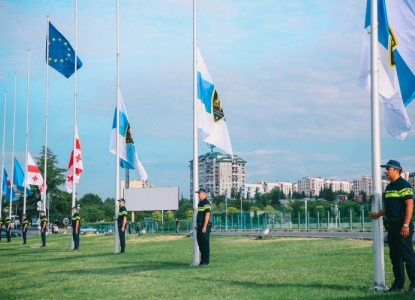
(13, 233)
(88, 229)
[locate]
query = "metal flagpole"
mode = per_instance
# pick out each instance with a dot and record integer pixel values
(2, 154)
(14, 130)
(46, 117)
(195, 150)
(117, 159)
(27, 130)
(378, 259)
(74, 118)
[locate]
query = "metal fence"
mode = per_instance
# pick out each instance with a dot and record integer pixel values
(274, 220)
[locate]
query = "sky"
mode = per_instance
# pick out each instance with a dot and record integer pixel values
(286, 72)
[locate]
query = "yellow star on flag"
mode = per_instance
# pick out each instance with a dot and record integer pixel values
(53, 39)
(69, 54)
(65, 43)
(55, 60)
(66, 58)
(69, 49)
(50, 58)
(59, 40)
(61, 60)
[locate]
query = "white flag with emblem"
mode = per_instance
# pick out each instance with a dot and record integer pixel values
(77, 164)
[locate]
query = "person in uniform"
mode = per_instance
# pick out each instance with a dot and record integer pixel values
(43, 221)
(203, 227)
(76, 219)
(8, 228)
(25, 223)
(122, 220)
(398, 209)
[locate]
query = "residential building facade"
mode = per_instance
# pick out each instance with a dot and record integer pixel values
(311, 185)
(219, 172)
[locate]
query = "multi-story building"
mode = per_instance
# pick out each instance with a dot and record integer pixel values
(251, 189)
(364, 184)
(311, 185)
(219, 172)
(295, 187)
(135, 184)
(411, 180)
(338, 185)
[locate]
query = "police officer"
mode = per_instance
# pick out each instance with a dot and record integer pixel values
(399, 205)
(122, 220)
(203, 226)
(8, 228)
(43, 221)
(1, 224)
(76, 219)
(25, 223)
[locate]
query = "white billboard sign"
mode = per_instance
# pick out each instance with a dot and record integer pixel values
(148, 199)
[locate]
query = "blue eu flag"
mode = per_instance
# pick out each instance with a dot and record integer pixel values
(61, 53)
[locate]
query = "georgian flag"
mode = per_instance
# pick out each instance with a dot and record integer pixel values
(33, 174)
(78, 165)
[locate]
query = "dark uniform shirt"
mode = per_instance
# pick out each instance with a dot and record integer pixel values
(75, 218)
(121, 215)
(43, 221)
(202, 208)
(7, 225)
(25, 221)
(395, 195)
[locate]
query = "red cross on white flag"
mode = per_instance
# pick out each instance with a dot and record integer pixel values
(78, 165)
(33, 175)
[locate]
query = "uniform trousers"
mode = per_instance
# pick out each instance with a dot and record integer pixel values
(203, 242)
(401, 251)
(122, 238)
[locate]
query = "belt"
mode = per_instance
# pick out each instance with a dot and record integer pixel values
(398, 218)
(199, 224)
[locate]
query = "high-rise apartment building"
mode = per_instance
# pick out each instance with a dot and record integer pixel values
(338, 185)
(311, 185)
(219, 172)
(364, 184)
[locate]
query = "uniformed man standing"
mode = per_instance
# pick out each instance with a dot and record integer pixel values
(122, 220)
(203, 227)
(76, 219)
(43, 221)
(8, 228)
(25, 223)
(399, 206)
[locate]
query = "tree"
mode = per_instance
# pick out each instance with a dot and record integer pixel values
(168, 215)
(189, 215)
(232, 210)
(269, 207)
(254, 208)
(156, 216)
(91, 199)
(350, 196)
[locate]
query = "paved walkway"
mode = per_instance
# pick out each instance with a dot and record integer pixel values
(309, 234)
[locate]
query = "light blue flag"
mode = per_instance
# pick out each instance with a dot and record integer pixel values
(6, 187)
(396, 42)
(210, 116)
(128, 154)
(18, 178)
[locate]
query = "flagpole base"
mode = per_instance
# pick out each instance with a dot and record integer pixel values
(195, 264)
(379, 287)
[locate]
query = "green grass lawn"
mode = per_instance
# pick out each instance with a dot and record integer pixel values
(157, 267)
